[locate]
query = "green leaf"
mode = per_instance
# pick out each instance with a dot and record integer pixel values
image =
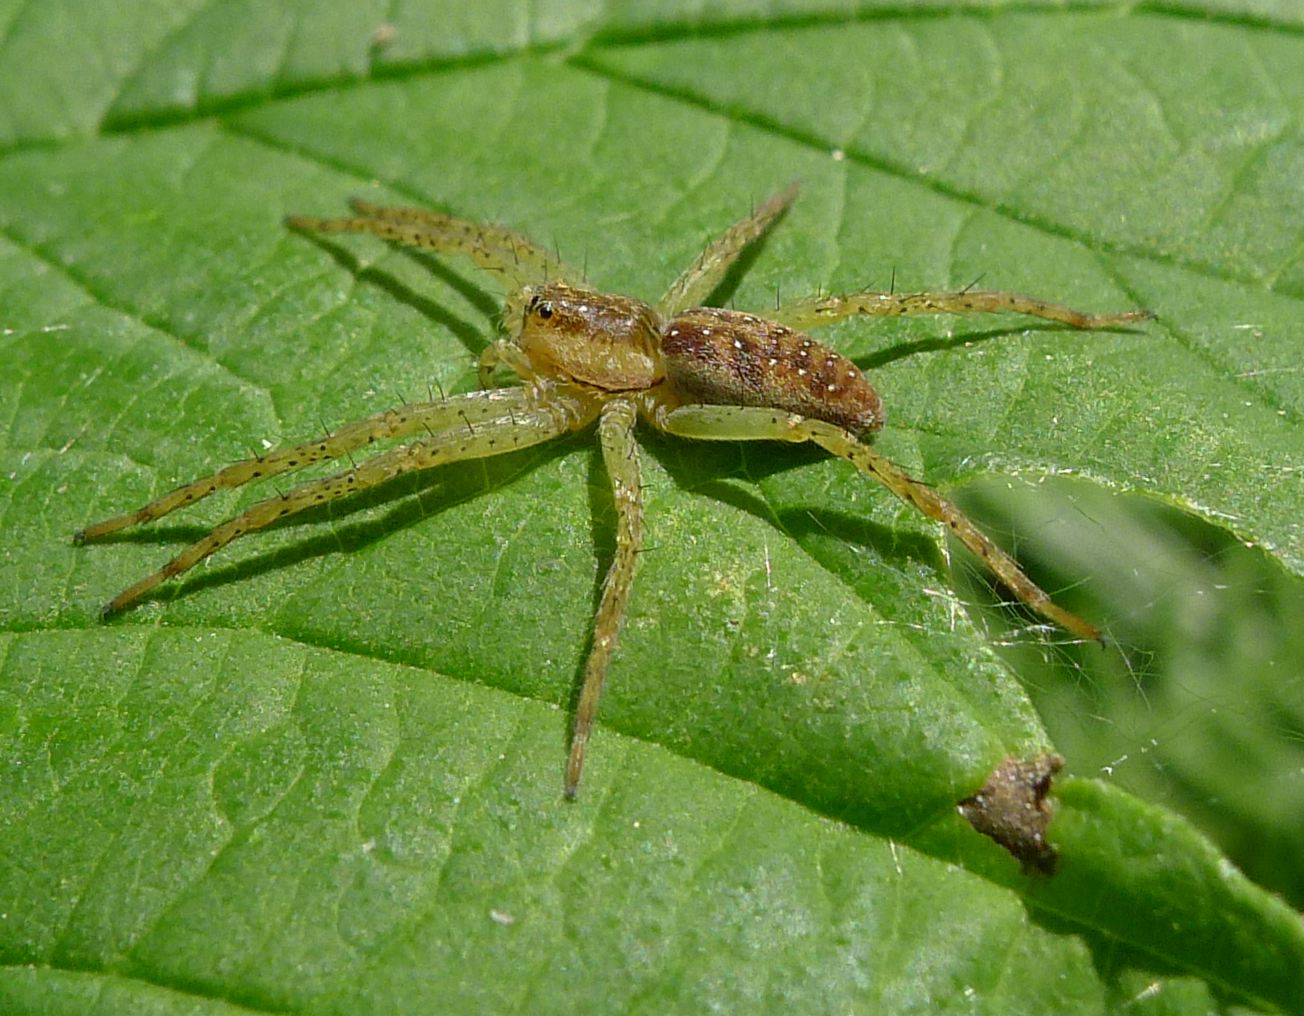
(324, 772)
(1201, 709)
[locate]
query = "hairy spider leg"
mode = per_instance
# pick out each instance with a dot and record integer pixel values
(520, 428)
(620, 457)
(470, 410)
(518, 261)
(822, 310)
(739, 423)
(542, 264)
(695, 284)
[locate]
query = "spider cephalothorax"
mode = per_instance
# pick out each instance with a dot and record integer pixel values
(689, 370)
(601, 340)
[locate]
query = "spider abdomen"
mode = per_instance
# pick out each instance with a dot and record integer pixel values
(727, 357)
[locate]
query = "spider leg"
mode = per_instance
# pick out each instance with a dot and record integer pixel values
(493, 248)
(523, 251)
(620, 456)
(821, 310)
(705, 273)
(737, 423)
(469, 410)
(529, 425)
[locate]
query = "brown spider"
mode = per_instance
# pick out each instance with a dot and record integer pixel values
(693, 371)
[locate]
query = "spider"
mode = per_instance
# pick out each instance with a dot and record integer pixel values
(583, 356)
